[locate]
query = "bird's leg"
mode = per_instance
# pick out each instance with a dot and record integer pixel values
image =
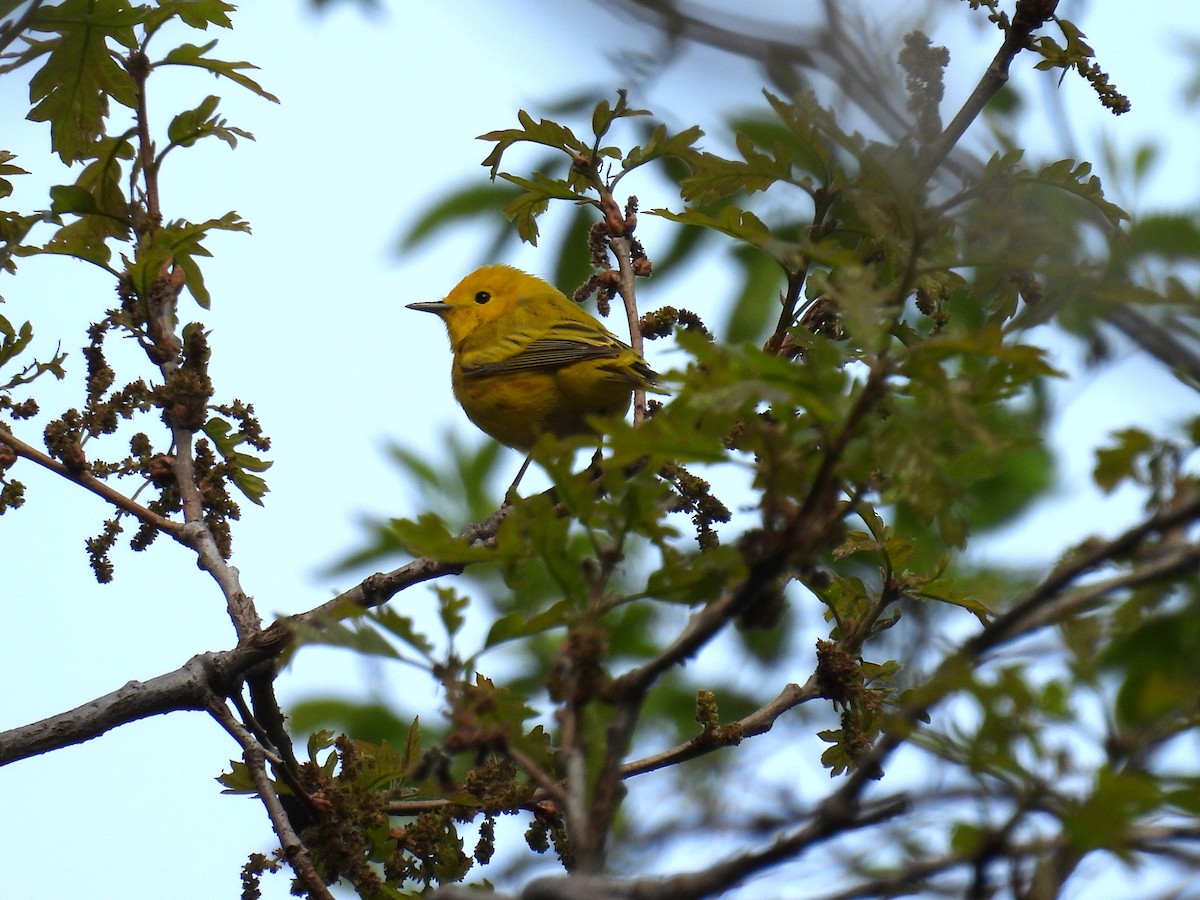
(511, 494)
(595, 475)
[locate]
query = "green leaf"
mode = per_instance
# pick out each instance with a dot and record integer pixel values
(660, 144)
(12, 341)
(715, 178)
(253, 487)
(533, 532)
(457, 207)
(520, 624)
(732, 221)
(319, 741)
(966, 839)
(450, 608)
(71, 198)
(193, 55)
(357, 637)
(198, 14)
(179, 242)
(757, 303)
(1119, 463)
(551, 134)
(527, 206)
(6, 168)
(241, 465)
(835, 758)
(1157, 663)
(1104, 819)
(412, 746)
(695, 578)
(1174, 237)
(238, 779)
(383, 769)
(605, 114)
(78, 240)
(193, 124)
(429, 537)
(1022, 477)
(814, 132)
(1076, 179)
(201, 13)
(963, 600)
(402, 628)
(98, 199)
(80, 74)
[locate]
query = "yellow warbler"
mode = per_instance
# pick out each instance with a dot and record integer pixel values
(529, 361)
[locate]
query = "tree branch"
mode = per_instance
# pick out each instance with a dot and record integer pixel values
(189, 687)
(1026, 614)
(707, 882)
(1029, 16)
(10, 31)
(255, 756)
(1019, 621)
(218, 673)
(622, 247)
(1156, 340)
(758, 722)
(90, 482)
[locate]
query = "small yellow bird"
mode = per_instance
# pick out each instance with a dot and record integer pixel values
(528, 361)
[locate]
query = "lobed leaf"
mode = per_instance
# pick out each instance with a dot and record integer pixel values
(661, 144)
(551, 134)
(80, 73)
(191, 125)
(194, 55)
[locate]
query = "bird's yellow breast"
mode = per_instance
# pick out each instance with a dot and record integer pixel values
(517, 407)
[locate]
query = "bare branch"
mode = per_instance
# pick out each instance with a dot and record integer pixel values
(256, 758)
(539, 776)
(187, 688)
(707, 882)
(218, 673)
(1024, 615)
(758, 722)
(622, 247)
(1177, 561)
(1158, 341)
(1029, 16)
(10, 31)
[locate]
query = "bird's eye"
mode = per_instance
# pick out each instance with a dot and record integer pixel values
(483, 297)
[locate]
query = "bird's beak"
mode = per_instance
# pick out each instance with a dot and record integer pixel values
(437, 307)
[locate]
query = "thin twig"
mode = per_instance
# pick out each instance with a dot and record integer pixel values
(1025, 614)
(91, 483)
(710, 881)
(13, 30)
(256, 756)
(540, 776)
(622, 247)
(758, 722)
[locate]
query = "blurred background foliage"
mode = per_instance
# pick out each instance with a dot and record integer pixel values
(1012, 247)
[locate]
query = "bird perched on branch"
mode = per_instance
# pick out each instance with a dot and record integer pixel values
(528, 361)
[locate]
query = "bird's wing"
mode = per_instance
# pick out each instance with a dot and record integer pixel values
(560, 345)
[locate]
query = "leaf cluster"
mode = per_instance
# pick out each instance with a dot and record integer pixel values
(87, 60)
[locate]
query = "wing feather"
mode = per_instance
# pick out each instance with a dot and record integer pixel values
(562, 344)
